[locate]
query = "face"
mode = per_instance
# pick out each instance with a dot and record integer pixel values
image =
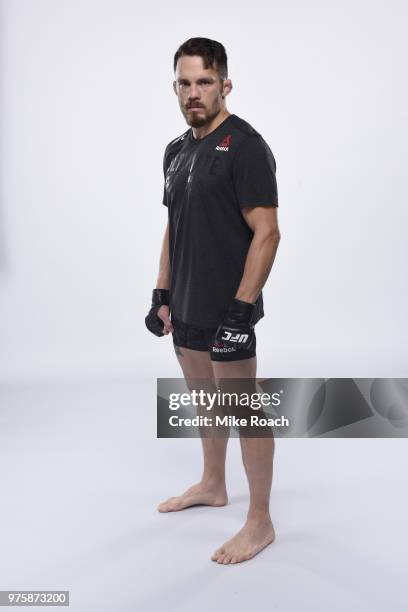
(199, 90)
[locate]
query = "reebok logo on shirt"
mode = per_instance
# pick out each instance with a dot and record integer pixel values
(224, 144)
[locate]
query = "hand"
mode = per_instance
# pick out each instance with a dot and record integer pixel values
(164, 314)
(158, 319)
(236, 331)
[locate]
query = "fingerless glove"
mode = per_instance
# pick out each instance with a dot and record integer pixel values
(160, 297)
(237, 329)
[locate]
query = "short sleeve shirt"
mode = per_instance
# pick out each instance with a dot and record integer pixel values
(207, 183)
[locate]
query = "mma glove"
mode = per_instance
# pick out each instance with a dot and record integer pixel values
(160, 297)
(237, 328)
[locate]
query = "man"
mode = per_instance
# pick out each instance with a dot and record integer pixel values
(218, 249)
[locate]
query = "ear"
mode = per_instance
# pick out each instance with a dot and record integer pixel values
(227, 87)
(175, 87)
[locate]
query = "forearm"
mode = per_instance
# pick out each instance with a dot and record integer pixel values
(163, 279)
(258, 264)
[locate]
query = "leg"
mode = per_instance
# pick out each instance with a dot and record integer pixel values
(257, 455)
(211, 490)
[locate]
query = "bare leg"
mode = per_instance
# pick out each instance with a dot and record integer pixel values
(211, 490)
(257, 455)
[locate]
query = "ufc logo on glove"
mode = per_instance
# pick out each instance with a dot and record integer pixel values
(234, 338)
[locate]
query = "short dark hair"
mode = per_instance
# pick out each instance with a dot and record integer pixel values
(213, 54)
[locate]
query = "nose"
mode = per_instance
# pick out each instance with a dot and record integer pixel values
(193, 93)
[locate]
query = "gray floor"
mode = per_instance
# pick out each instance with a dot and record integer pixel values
(82, 473)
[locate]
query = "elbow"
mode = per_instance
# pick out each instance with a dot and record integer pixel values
(268, 233)
(273, 234)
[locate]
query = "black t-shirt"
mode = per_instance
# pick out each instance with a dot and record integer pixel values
(207, 183)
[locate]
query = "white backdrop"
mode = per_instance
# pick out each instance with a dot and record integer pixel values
(87, 109)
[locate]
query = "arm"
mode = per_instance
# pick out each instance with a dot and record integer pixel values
(163, 279)
(263, 222)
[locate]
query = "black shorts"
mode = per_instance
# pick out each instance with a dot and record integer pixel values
(201, 339)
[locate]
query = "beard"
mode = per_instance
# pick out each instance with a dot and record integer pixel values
(196, 121)
(203, 117)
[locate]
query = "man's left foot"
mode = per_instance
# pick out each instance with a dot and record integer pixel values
(255, 535)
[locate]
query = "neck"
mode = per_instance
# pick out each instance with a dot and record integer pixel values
(200, 132)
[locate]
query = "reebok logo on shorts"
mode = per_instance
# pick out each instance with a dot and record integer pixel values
(224, 144)
(218, 347)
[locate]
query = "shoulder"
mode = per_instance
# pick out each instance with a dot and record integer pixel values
(173, 147)
(243, 128)
(247, 137)
(249, 142)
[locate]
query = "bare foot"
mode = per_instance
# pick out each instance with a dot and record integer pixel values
(201, 493)
(249, 541)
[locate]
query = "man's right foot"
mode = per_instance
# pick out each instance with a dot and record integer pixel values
(199, 494)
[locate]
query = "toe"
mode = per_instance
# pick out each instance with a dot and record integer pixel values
(227, 559)
(166, 507)
(176, 505)
(163, 507)
(217, 554)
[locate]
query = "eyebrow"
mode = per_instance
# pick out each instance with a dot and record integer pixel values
(209, 78)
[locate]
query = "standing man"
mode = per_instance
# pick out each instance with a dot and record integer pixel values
(218, 249)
